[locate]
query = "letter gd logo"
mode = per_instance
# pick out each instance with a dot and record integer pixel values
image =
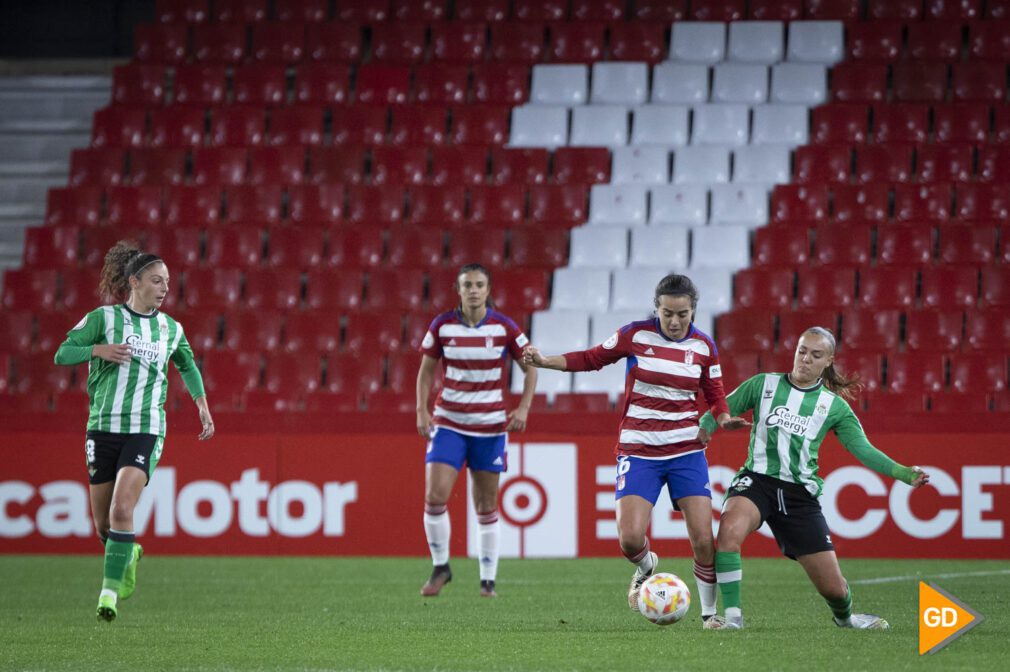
(942, 618)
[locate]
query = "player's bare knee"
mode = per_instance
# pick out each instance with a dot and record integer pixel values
(121, 515)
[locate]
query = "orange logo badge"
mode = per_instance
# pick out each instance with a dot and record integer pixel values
(942, 618)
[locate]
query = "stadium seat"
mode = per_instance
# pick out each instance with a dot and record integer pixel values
(333, 42)
(497, 205)
(96, 167)
(576, 42)
(867, 365)
(637, 41)
(240, 11)
(816, 42)
(659, 246)
(36, 372)
(50, 246)
(278, 43)
(555, 84)
(720, 124)
(982, 202)
(860, 203)
(779, 124)
(833, 289)
(515, 166)
(419, 125)
(322, 84)
(177, 126)
(379, 84)
(762, 164)
(539, 126)
(73, 206)
(234, 247)
(392, 293)
(756, 42)
(678, 204)
(987, 41)
(608, 381)
(519, 291)
(871, 330)
(598, 126)
(993, 163)
(961, 122)
(563, 205)
(842, 246)
(34, 289)
(745, 204)
(884, 163)
(923, 202)
(792, 324)
(441, 84)
(136, 84)
(219, 165)
(260, 85)
(558, 331)
(119, 126)
(332, 290)
(680, 83)
(917, 81)
(935, 40)
(640, 165)
(160, 43)
(399, 165)
(317, 332)
(665, 125)
(237, 126)
(701, 165)
(415, 247)
(372, 333)
(157, 166)
(355, 248)
(799, 203)
(536, 248)
(500, 83)
(987, 330)
(875, 41)
(180, 244)
(900, 122)
(276, 165)
(799, 83)
(343, 165)
(934, 330)
(458, 41)
(277, 289)
(437, 206)
(978, 82)
(839, 123)
(620, 83)
(466, 245)
(375, 204)
(518, 42)
(763, 288)
(292, 373)
(995, 287)
(604, 324)
(977, 371)
(726, 246)
(915, 373)
(857, 82)
(904, 244)
(617, 204)
(581, 165)
(945, 163)
(290, 248)
(966, 403)
(822, 163)
(599, 247)
(479, 125)
(580, 289)
(228, 374)
(465, 165)
(50, 331)
(953, 287)
(399, 42)
(698, 42)
(200, 85)
(966, 246)
(219, 43)
(192, 206)
(79, 292)
(298, 125)
(751, 330)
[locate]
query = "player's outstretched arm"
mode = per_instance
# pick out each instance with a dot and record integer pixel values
(533, 357)
(205, 419)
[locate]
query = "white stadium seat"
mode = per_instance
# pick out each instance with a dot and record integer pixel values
(721, 124)
(745, 204)
(816, 42)
(539, 126)
(700, 165)
(599, 126)
(762, 164)
(634, 288)
(803, 83)
(781, 125)
(640, 165)
(720, 246)
(756, 41)
(621, 204)
(678, 204)
(665, 125)
(703, 321)
(698, 41)
(679, 83)
(715, 288)
(586, 289)
(740, 83)
(654, 246)
(602, 325)
(549, 382)
(609, 380)
(620, 83)
(599, 247)
(557, 331)
(560, 84)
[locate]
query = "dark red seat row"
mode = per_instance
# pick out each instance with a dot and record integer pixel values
(919, 82)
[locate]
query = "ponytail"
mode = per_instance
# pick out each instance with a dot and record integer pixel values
(847, 387)
(123, 260)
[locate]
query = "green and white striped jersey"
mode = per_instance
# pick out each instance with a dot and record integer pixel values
(789, 425)
(130, 398)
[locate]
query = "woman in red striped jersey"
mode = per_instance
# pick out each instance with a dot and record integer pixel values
(470, 423)
(669, 361)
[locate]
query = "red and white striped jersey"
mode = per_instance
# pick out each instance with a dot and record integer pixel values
(472, 400)
(660, 392)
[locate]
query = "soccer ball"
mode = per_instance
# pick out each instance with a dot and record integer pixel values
(664, 599)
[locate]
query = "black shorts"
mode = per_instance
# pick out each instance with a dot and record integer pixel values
(792, 513)
(106, 453)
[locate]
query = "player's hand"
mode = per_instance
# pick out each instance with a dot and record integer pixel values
(921, 478)
(424, 423)
(117, 353)
(532, 356)
(517, 419)
(703, 436)
(208, 424)
(726, 422)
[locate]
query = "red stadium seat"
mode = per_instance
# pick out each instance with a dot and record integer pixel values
(227, 374)
(498, 205)
(856, 82)
(393, 293)
(954, 9)
(333, 290)
(480, 125)
(441, 84)
(581, 165)
(400, 42)
(915, 373)
(884, 163)
(322, 83)
(580, 402)
(345, 164)
(581, 42)
(317, 332)
(237, 126)
(978, 82)
(471, 245)
(798, 203)
(994, 164)
(900, 122)
(187, 11)
(200, 85)
(661, 11)
(923, 202)
(945, 163)
(961, 245)
(775, 10)
(458, 165)
(935, 40)
(136, 84)
(399, 165)
(255, 204)
(904, 245)
(437, 206)
(383, 84)
(415, 247)
(842, 245)
(359, 124)
(520, 290)
(349, 373)
(418, 125)
(133, 206)
(995, 287)
(37, 372)
(355, 248)
(875, 41)
(887, 287)
(442, 293)
(316, 204)
(73, 206)
(273, 290)
(988, 41)
(361, 10)
(401, 373)
(822, 163)
(519, 166)
(96, 167)
(960, 403)
(260, 85)
(905, 10)
(301, 10)
(219, 165)
(885, 403)
(867, 365)
(95, 243)
(929, 330)
(203, 331)
(781, 247)
(780, 361)
(839, 123)
(51, 246)
(16, 329)
(482, 10)
(978, 372)
(301, 125)
(291, 374)
(119, 126)
(30, 289)
(157, 166)
(240, 11)
(559, 205)
(718, 10)
(192, 206)
(538, 248)
(278, 43)
(919, 82)
(859, 203)
(763, 288)
(518, 42)
(950, 288)
(177, 126)
(333, 42)
(543, 10)
(219, 43)
(866, 330)
(738, 367)
(961, 122)
(988, 330)
(637, 41)
(234, 247)
(819, 289)
(179, 244)
(375, 204)
(297, 249)
(982, 201)
(276, 165)
(458, 42)
(746, 330)
(423, 10)
(80, 293)
(501, 83)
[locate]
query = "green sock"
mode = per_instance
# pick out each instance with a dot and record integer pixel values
(842, 609)
(118, 553)
(729, 575)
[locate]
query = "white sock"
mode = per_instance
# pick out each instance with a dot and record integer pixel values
(488, 534)
(704, 577)
(108, 592)
(437, 530)
(733, 614)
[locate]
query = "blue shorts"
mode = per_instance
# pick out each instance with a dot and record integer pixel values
(481, 453)
(684, 476)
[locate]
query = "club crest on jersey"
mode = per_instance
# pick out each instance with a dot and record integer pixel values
(80, 325)
(522, 341)
(489, 342)
(611, 342)
(620, 482)
(689, 357)
(822, 409)
(743, 483)
(429, 340)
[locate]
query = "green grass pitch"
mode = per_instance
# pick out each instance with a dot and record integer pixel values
(366, 614)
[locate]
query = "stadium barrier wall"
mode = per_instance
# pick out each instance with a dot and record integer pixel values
(272, 491)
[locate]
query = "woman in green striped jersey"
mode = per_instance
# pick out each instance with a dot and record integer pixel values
(128, 347)
(779, 484)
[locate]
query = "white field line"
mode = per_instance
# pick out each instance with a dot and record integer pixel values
(921, 577)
